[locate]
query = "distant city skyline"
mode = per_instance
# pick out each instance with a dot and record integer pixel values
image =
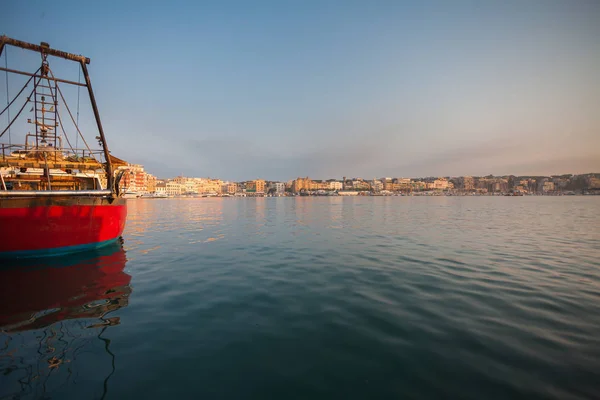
(266, 89)
(138, 182)
(362, 177)
(269, 177)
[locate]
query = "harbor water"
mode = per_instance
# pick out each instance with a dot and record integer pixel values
(315, 297)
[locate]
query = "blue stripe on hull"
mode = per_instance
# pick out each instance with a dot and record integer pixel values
(57, 251)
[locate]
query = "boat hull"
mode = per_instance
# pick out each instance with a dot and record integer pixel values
(42, 226)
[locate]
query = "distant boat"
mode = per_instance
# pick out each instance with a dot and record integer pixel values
(154, 195)
(131, 195)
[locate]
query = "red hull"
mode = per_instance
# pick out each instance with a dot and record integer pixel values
(59, 225)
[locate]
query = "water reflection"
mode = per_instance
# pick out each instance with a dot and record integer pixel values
(55, 311)
(186, 218)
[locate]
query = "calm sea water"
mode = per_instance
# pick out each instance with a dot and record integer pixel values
(283, 298)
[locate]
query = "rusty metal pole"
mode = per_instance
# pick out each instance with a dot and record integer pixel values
(109, 169)
(43, 48)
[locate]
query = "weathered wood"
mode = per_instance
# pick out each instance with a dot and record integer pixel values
(43, 48)
(25, 163)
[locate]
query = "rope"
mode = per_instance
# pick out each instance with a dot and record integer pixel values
(18, 94)
(62, 128)
(7, 95)
(78, 89)
(20, 111)
(47, 170)
(71, 115)
(55, 100)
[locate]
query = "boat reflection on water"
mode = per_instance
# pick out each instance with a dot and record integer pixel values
(54, 310)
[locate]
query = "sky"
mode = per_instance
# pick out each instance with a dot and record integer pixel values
(243, 90)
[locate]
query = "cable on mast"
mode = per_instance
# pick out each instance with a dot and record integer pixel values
(7, 95)
(78, 89)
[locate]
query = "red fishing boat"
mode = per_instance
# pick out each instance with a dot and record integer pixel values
(55, 198)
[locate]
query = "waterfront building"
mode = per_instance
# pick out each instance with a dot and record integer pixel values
(548, 186)
(497, 186)
(174, 189)
(208, 185)
(134, 179)
(319, 185)
(520, 188)
(259, 184)
(279, 187)
(391, 186)
(301, 184)
(190, 186)
(593, 182)
(482, 183)
(180, 179)
(359, 184)
(229, 188)
(255, 186)
(403, 184)
(560, 183)
(161, 188)
(418, 185)
(439, 184)
(150, 183)
(467, 183)
(335, 185)
(377, 185)
(532, 184)
(388, 184)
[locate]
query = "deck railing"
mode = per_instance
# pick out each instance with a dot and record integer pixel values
(12, 151)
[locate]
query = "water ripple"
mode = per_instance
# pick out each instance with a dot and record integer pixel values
(385, 297)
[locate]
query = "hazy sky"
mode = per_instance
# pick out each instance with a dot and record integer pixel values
(280, 89)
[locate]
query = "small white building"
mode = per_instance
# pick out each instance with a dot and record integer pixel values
(174, 188)
(279, 187)
(190, 186)
(335, 185)
(377, 185)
